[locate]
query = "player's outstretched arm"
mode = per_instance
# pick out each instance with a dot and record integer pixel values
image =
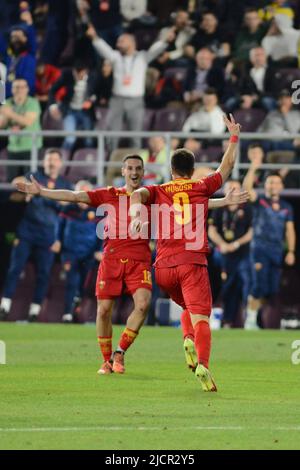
(35, 189)
(248, 183)
(228, 160)
(233, 198)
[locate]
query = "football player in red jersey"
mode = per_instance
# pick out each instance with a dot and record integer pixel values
(181, 264)
(126, 264)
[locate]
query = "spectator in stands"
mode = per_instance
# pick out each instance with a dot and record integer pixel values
(77, 105)
(285, 120)
(36, 235)
(208, 119)
(250, 88)
(175, 54)
(204, 75)
(231, 231)
(129, 67)
(46, 76)
(250, 35)
(105, 16)
(281, 7)
(155, 154)
(21, 112)
(161, 90)
(19, 57)
(80, 249)
(281, 42)
(57, 31)
(210, 35)
(105, 84)
(255, 152)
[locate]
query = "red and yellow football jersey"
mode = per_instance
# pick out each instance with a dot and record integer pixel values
(181, 219)
(118, 243)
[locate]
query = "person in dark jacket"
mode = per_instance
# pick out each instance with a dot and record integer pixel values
(77, 105)
(36, 235)
(202, 76)
(80, 249)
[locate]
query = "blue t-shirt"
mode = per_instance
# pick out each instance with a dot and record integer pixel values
(77, 231)
(39, 224)
(270, 219)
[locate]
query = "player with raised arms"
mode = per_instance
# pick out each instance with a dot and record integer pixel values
(181, 263)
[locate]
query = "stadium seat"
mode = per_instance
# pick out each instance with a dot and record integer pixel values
(117, 157)
(283, 79)
(169, 120)
(83, 172)
(250, 119)
(280, 156)
(148, 119)
(211, 154)
(101, 116)
(50, 124)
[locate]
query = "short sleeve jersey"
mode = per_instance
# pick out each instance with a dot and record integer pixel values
(270, 218)
(118, 243)
(181, 210)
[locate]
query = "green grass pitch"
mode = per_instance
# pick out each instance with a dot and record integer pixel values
(51, 397)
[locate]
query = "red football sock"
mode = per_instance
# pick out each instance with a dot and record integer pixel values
(203, 342)
(186, 325)
(105, 344)
(127, 338)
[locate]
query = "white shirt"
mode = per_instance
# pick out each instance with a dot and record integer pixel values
(80, 91)
(204, 121)
(258, 76)
(129, 72)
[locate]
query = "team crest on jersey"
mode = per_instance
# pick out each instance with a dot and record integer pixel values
(102, 285)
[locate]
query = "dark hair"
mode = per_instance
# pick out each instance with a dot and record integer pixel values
(211, 91)
(255, 145)
(250, 10)
(183, 162)
(134, 157)
(54, 150)
(274, 173)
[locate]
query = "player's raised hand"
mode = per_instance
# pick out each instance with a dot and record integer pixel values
(33, 188)
(234, 197)
(231, 125)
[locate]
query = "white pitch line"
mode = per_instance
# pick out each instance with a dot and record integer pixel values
(145, 428)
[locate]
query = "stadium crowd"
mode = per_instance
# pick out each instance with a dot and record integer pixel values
(161, 66)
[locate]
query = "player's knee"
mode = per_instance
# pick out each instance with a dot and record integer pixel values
(142, 305)
(103, 313)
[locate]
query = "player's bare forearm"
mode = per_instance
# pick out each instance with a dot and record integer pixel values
(65, 195)
(33, 188)
(228, 161)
